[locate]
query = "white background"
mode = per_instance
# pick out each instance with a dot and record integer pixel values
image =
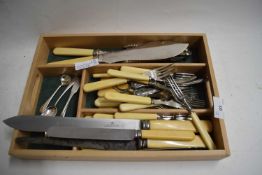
(234, 30)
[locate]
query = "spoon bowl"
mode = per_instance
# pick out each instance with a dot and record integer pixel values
(50, 111)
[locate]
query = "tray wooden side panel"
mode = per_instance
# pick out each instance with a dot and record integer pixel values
(219, 124)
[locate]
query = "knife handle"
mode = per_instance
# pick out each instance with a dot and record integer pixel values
(100, 115)
(102, 75)
(128, 75)
(203, 133)
(169, 144)
(71, 61)
(124, 107)
(178, 125)
(167, 135)
(138, 116)
(118, 97)
(73, 51)
(133, 69)
(104, 84)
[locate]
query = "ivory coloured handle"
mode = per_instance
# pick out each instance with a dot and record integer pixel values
(101, 115)
(203, 133)
(124, 107)
(167, 135)
(115, 96)
(73, 51)
(178, 125)
(102, 92)
(169, 144)
(138, 116)
(71, 61)
(133, 69)
(104, 84)
(102, 75)
(102, 103)
(129, 75)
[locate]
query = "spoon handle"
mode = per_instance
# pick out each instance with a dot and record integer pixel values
(67, 88)
(66, 105)
(44, 106)
(72, 93)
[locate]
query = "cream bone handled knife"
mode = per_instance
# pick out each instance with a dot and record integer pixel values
(142, 53)
(88, 128)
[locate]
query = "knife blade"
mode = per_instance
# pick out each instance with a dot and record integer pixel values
(91, 144)
(42, 124)
(150, 53)
(143, 53)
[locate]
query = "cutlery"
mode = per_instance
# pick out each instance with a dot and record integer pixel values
(157, 74)
(51, 111)
(72, 93)
(158, 121)
(102, 84)
(118, 97)
(125, 107)
(104, 103)
(196, 143)
(177, 93)
(100, 129)
(65, 80)
(143, 53)
(117, 134)
(42, 124)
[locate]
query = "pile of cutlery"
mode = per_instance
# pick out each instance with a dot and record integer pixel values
(135, 88)
(51, 110)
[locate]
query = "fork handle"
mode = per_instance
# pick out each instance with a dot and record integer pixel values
(93, 86)
(118, 97)
(124, 107)
(129, 75)
(134, 69)
(203, 132)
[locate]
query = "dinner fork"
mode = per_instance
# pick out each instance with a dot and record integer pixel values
(140, 74)
(178, 94)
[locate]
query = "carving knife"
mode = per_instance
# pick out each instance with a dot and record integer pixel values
(99, 129)
(197, 143)
(143, 53)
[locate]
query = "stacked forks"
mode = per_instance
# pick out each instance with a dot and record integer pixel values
(178, 94)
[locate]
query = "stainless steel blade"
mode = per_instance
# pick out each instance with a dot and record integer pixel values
(150, 53)
(42, 124)
(91, 133)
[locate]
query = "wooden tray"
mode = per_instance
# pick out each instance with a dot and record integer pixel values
(39, 70)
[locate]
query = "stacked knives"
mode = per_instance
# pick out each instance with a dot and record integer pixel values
(119, 88)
